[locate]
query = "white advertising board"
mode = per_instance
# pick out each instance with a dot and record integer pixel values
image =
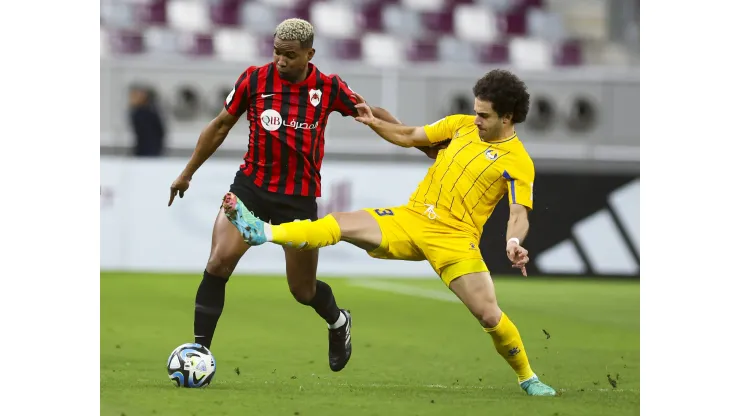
(139, 232)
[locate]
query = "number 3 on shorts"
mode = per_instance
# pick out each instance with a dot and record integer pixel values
(383, 212)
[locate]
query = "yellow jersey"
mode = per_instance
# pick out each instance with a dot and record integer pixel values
(471, 176)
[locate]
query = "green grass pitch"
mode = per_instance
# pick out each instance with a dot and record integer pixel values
(417, 351)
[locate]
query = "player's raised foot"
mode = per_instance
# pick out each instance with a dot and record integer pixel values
(340, 344)
(251, 227)
(534, 387)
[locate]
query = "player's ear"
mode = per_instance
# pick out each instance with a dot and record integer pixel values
(311, 53)
(506, 119)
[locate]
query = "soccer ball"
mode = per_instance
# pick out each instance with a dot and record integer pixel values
(191, 365)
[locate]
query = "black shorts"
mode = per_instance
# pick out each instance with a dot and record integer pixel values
(273, 207)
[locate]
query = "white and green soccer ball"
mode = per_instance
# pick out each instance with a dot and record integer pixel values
(191, 365)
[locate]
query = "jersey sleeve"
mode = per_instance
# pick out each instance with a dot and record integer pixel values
(520, 182)
(237, 101)
(344, 103)
(444, 128)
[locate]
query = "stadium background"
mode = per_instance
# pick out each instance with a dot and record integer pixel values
(416, 58)
(419, 59)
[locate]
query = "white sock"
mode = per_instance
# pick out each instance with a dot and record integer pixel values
(268, 232)
(340, 321)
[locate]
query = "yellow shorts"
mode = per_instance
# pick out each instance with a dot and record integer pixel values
(411, 235)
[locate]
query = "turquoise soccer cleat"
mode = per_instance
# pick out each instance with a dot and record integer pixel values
(534, 387)
(250, 227)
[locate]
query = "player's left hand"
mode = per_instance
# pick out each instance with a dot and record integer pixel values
(364, 114)
(433, 150)
(518, 255)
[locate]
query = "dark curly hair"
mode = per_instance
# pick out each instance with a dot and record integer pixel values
(506, 93)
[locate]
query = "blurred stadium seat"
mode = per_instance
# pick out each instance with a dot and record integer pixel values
(475, 23)
(188, 15)
(234, 45)
(161, 41)
(536, 34)
(334, 19)
(381, 49)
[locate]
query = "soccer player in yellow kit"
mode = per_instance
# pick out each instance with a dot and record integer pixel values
(443, 220)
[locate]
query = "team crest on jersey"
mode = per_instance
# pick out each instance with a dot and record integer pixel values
(491, 154)
(314, 96)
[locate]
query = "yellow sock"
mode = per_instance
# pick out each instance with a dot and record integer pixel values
(306, 234)
(509, 345)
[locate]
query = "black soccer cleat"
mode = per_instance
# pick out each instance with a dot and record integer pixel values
(340, 344)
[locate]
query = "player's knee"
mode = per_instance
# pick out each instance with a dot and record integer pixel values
(220, 266)
(339, 217)
(489, 315)
(352, 224)
(303, 293)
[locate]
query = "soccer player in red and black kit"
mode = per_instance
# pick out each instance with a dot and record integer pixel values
(287, 103)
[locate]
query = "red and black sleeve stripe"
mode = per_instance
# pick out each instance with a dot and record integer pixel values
(344, 103)
(238, 99)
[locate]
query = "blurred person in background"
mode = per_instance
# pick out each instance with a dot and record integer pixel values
(146, 123)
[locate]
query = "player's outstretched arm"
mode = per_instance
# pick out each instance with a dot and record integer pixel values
(398, 134)
(210, 139)
(516, 231)
(381, 113)
(385, 115)
(378, 112)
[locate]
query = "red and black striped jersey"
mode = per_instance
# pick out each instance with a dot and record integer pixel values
(286, 126)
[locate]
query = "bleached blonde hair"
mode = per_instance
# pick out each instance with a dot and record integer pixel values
(295, 29)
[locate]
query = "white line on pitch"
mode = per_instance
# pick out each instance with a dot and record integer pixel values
(406, 289)
(445, 387)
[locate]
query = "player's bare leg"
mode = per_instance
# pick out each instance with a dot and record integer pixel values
(477, 292)
(227, 248)
(359, 228)
(300, 267)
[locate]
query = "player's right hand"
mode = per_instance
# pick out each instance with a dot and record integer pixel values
(180, 185)
(364, 114)
(360, 99)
